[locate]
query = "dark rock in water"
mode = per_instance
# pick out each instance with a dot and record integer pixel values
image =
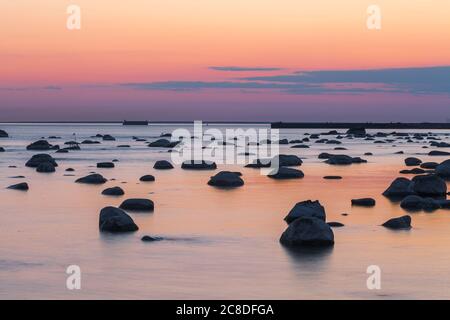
(429, 165)
(332, 177)
(286, 173)
(162, 165)
(147, 178)
(287, 160)
(368, 154)
(325, 155)
(283, 141)
(2, 149)
(90, 142)
(114, 160)
(17, 177)
(438, 153)
(308, 209)
(335, 224)
(123, 146)
(443, 169)
(114, 191)
(137, 205)
(163, 143)
(356, 131)
(105, 165)
(398, 223)
(108, 137)
(443, 203)
(429, 185)
(414, 203)
(300, 146)
(198, 165)
(340, 148)
(40, 145)
(37, 159)
(411, 161)
(62, 151)
(399, 188)
(440, 144)
(308, 231)
(344, 160)
(3, 134)
(70, 169)
(364, 202)
(226, 179)
(23, 186)
(151, 239)
(413, 171)
(94, 178)
(116, 220)
(259, 163)
(399, 152)
(45, 167)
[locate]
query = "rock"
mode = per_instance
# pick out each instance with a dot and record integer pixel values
(94, 178)
(398, 223)
(399, 188)
(368, 154)
(308, 209)
(443, 169)
(287, 160)
(364, 202)
(308, 231)
(62, 151)
(105, 165)
(123, 146)
(70, 169)
(2, 149)
(3, 134)
(429, 165)
(335, 224)
(198, 165)
(23, 186)
(147, 178)
(137, 205)
(114, 191)
(37, 159)
(300, 146)
(438, 153)
(116, 220)
(162, 165)
(108, 137)
(40, 145)
(325, 155)
(90, 142)
(226, 179)
(429, 185)
(151, 239)
(413, 171)
(332, 177)
(259, 163)
(283, 173)
(357, 131)
(411, 161)
(45, 167)
(283, 141)
(343, 160)
(418, 203)
(163, 143)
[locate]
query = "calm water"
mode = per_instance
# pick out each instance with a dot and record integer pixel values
(222, 244)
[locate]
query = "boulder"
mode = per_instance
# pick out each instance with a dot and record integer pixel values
(137, 205)
(429, 165)
(285, 173)
(3, 134)
(105, 165)
(94, 178)
(287, 160)
(429, 185)
(198, 165)
(162, 165)
(357, 131)
(398, 223)
(438, 153)
(116, 220)
(308, 231)
(151, 239)
(443, 169)
(342, 159)
(226, 179)
(108, 137)
(45, 167)
(37, 159)
(163, 143)
(2, 149)
(114, 191)
(364, 202)
(415, 203)
(147, 178)
(399, 188)
(411, 161)
(40, 145)
(23, 186)
(335, 224)
(306, 208)
(90, 142)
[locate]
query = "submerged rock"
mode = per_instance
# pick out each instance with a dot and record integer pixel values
(198, 165)
(116, 220)
(398, 223)
(364, 202)
(94, 178)
(23, 186)
(137, 205)
(286, 173)
(151, 239)
(308, 231)
(306, 208)
(226, 179)
(114, 191)
(162, 165)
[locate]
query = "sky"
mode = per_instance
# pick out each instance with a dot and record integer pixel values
(225, 60)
